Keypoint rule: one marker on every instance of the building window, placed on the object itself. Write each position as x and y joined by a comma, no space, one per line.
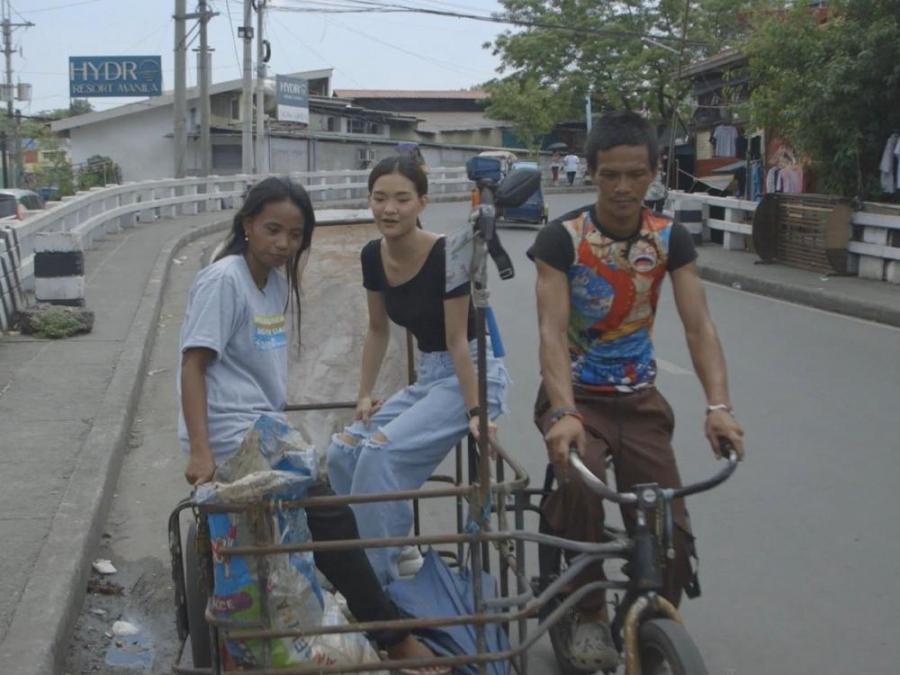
235,108
357,126
334,124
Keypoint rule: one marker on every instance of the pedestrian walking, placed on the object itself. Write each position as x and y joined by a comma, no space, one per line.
570,163
555,165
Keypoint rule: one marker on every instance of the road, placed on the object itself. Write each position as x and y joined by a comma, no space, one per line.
798,551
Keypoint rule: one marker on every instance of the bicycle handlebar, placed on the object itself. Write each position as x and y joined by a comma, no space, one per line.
606,492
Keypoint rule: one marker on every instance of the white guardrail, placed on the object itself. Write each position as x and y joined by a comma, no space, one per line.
875,238
100,211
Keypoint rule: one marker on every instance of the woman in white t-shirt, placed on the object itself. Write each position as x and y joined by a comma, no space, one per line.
234,343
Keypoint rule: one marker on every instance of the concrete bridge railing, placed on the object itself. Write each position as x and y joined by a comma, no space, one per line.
874,246
94,213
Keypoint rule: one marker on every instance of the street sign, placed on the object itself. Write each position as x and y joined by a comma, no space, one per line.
292,98
95,76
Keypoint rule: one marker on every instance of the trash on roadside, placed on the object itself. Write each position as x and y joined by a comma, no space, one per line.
99,612
121,628
103,587
103,566
737,285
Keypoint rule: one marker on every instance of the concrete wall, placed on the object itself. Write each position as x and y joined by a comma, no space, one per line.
137,143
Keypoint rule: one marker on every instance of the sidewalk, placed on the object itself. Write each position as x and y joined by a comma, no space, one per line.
66,408
861,298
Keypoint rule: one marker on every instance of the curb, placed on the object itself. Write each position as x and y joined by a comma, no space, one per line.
803,296
37,640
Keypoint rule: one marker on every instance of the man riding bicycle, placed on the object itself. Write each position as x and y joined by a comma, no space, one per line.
600,271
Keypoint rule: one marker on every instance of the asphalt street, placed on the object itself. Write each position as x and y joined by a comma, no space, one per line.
798,551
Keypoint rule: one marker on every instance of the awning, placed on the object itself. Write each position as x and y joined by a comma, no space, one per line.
716,182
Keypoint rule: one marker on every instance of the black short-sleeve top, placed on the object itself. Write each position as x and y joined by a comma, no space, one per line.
417,304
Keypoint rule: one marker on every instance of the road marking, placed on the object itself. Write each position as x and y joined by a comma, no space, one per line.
802,306
671,368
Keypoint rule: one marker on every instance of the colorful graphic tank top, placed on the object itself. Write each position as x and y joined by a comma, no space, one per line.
614,286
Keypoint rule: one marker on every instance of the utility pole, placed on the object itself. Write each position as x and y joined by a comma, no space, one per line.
203,87
261,58
245,32
180,139
11,173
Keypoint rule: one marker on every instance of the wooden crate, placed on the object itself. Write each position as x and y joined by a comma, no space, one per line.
807,231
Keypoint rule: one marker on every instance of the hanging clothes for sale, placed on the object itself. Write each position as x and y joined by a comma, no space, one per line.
790,179
740,146
723,138
890,176
772,180
756,179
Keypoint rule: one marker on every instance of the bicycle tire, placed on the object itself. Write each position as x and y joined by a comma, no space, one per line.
196,596
663,641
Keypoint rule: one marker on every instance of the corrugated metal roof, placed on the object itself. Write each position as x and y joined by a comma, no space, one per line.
476,94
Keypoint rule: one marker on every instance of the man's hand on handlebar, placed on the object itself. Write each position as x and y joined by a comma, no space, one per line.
721,424
566,432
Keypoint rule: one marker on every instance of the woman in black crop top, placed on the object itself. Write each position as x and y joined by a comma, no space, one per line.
397,445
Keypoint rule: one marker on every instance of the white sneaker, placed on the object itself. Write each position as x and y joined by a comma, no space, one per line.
592,647
409,561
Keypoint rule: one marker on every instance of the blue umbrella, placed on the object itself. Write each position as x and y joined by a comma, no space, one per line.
436,591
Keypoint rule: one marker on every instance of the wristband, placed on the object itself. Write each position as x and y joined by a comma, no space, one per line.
559,413
473,412
720,406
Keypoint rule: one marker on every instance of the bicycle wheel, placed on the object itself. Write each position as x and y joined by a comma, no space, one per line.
196,595
666,648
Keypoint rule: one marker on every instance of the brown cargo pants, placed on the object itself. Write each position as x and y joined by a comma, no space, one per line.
635,430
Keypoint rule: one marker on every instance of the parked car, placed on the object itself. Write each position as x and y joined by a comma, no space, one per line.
9,207
28,199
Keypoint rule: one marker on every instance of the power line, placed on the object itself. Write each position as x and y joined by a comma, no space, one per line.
368,6
50,9
237,59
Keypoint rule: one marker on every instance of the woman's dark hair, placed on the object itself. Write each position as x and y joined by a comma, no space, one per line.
271,191
621,127
406,167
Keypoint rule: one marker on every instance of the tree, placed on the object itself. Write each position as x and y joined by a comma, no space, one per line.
98,171
832,88
532,109
628,60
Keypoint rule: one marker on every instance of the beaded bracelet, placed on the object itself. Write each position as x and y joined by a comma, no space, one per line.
559,413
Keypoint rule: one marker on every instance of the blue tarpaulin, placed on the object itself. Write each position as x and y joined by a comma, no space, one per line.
436,591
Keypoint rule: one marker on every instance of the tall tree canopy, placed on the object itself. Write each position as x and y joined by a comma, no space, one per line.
628,52
832,88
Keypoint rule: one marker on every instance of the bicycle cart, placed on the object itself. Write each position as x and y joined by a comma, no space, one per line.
490,532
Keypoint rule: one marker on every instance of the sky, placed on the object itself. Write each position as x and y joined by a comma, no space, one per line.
367,51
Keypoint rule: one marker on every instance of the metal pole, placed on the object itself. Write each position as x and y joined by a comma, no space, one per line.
247,93
588,113
13,172
203,84
180,131
260,89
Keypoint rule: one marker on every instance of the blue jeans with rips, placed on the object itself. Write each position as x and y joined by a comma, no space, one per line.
420,424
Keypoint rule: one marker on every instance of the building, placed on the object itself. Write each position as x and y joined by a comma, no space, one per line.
445,117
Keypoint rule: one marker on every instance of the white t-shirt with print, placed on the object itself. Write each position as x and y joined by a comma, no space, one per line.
246,328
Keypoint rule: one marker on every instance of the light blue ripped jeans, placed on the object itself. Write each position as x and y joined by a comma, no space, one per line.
421,423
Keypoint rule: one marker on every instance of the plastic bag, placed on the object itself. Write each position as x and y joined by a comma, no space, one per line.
273,464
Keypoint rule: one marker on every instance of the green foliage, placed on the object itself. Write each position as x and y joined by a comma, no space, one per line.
532,108
832,89
56,323
617,65
98,171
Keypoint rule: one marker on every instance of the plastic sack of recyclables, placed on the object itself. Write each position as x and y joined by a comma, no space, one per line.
273,464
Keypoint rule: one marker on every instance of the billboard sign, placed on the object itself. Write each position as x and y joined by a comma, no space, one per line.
292,98
94,76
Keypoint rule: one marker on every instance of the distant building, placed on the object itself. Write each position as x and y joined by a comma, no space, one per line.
444,116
